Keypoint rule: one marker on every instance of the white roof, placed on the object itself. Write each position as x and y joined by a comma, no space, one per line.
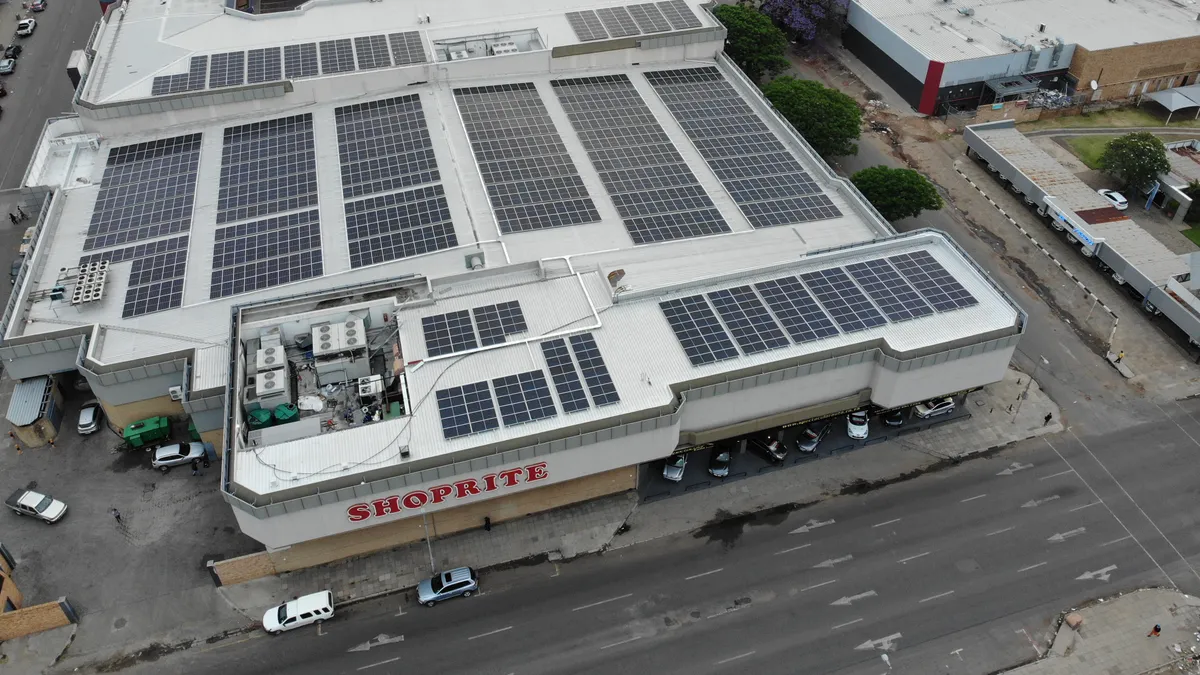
940,29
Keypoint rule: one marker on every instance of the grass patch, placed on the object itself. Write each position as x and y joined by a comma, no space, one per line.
1193,234
1089,148
1120,117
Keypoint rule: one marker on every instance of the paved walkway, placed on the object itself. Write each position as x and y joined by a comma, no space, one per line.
1112,639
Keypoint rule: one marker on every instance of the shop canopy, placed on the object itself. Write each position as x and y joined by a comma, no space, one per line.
1176,98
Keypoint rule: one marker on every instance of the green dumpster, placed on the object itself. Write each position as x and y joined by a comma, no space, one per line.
192,432
286,412
260,419
147,431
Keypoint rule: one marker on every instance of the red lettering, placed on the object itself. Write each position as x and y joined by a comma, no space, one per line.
440,492
415,499
386,505
358,512
535,472
465,488
509,476
489,482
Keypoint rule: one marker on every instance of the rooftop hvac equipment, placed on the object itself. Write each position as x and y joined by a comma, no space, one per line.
326,339
370,386
508,47
459,55
272,387
270,358
354,334
271,337
89,282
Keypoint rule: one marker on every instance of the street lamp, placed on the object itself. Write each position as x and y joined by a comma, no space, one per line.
428,545
1025,392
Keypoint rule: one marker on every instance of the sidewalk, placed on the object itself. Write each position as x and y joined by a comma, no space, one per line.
1112,638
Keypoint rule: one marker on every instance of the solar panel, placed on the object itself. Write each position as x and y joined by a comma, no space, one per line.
337,56
158,267
679,14
617,21
227,70
565,376
384,145
497,321
267,167
264,65
800,315
595,372
649,18
758,172
448,333
266,253
140,251
889,290
932,280
702,337
656,194
399,225
372,51
193,80
748,320
587,26
407,48
300,60
524,398
152,298
531,180
467,410
843,300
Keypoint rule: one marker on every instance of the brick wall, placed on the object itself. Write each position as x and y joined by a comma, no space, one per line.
1010,110
123,415
8,589
1152,64
34,619
243,568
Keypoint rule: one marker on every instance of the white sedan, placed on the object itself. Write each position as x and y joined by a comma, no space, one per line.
1115,198
856,425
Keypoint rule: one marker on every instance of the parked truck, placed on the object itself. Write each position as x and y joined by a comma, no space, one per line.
36,505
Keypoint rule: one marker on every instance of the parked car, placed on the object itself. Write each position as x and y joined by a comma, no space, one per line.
768,446
90,416
37,6
451,584
303,611
13,51
856,425
179,454
15,270
934,408
7,66
718,464
36,504
26,241
674,467
893,418
25,27
1115,198
811,437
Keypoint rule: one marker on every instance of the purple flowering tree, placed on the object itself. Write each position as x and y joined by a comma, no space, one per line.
805,18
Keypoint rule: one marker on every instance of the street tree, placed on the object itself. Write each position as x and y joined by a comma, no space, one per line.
1136,159
897,193
828,119
752,41
804,19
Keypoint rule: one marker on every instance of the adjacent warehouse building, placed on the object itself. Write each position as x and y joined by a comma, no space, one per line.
411,270
937,53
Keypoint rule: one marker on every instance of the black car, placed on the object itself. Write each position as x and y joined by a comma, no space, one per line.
15,270
769,447
811,437
13,52
893,418
718,464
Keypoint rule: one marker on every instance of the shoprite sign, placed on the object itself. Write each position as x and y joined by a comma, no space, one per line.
438,494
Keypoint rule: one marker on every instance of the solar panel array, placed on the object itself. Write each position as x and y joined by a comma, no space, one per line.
764,179
530,178
266,253
565,375
813,306
524,398
468,409
495,322
264,65
646,18
266,168
407,48
454,332
337,56
654,191
227,70
595,372
300,60
383,146
193,80
372,52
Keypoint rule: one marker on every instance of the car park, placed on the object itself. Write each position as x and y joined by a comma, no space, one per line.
769,447
450,584
718,464
13,51
934,408
1115,198
303,611
25,27
36,504
90,416
856,425
179,454
811,437
674,468
893,418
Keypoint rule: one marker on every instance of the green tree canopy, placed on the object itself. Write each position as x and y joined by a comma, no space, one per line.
1136,159
752,40
828,119
897,193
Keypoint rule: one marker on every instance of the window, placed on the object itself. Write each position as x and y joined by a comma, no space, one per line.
306,615
1133,88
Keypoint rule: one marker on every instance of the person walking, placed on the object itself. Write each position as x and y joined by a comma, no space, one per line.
195,467
1154,631
22,214
117,514
1046,420
1120,356
13,217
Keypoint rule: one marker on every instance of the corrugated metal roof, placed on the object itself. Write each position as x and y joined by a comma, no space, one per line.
26,404
210,367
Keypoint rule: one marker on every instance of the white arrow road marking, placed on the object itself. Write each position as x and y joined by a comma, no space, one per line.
887,644
1063,536
847,599
1100,574
377,641
1013,468
811,525
1038,502
833,561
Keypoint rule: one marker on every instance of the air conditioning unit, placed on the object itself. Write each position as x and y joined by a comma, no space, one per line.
370,386
354,334
270,358
326,338
271,337
176,393
272,388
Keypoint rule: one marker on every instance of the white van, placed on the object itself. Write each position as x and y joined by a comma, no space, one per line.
304,610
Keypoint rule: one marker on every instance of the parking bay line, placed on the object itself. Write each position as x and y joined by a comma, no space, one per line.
622,642
704,574
794,548
380,663
498,630
597,604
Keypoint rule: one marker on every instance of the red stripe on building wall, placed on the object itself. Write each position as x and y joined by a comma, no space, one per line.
933,82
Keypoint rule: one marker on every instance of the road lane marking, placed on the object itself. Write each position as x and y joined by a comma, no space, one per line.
1056,475
1117,541
914,557
725,611
498,630
1026,569
823,583
703,574
1034,503
935,597
848,599
971,499
380,663
1080,508
843,625
887,522
1002,531
794,548
734,658
1060,537
622,642
597,604
833,561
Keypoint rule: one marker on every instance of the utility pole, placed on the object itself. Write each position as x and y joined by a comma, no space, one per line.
1025,392
428,545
